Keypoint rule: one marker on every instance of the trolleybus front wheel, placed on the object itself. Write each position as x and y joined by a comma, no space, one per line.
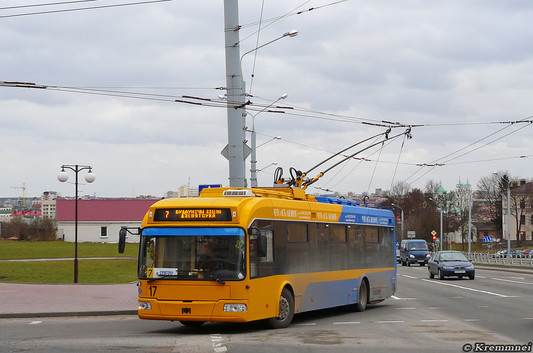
286,310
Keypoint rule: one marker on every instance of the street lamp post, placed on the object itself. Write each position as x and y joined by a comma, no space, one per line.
508,216
442,192
253,161
63,177
236,150
505,178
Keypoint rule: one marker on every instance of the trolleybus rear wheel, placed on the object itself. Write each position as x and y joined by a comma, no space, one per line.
362,301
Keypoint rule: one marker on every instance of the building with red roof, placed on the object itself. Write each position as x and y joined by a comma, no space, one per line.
100,220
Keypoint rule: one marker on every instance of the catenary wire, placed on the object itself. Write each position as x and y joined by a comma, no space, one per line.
45,4
83,8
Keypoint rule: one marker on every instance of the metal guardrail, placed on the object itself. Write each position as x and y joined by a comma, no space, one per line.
493,259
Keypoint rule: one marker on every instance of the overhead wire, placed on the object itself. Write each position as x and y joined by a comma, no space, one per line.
289,110
293,12
436,163
83,8
256,45
45,4
398,161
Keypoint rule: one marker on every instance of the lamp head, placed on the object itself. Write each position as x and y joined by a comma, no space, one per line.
291,33
62,176
89,177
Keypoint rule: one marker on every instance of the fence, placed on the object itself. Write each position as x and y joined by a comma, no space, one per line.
494,259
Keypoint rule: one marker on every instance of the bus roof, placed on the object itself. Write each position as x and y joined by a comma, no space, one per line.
276,203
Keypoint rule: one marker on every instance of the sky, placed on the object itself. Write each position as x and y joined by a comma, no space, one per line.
459,74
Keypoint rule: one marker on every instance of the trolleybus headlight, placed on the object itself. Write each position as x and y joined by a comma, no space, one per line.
235,308
145,306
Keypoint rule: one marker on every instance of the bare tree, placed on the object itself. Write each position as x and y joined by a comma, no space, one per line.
489,196
463,199
521,200
432,186
399,191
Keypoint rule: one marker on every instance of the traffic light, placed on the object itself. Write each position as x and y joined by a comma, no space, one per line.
434,237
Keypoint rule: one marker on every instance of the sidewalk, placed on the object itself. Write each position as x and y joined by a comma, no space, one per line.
24,300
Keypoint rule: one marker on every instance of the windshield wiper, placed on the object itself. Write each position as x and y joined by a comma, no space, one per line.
161,277
215,278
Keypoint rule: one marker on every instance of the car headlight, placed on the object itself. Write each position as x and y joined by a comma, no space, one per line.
145,306
446,267
470,267
412,256
235,308
428,255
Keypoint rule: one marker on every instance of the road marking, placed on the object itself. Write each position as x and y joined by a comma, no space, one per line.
398,298
433,320
470,289
406,308
218,345
309,324
471,320
412,277
508,280
35,322
435,307
390,322
346,323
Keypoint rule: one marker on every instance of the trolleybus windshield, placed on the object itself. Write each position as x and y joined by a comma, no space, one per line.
212,254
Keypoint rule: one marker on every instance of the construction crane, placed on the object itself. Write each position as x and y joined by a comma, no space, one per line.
23,187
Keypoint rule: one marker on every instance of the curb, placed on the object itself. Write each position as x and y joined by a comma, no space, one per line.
68,314
505,269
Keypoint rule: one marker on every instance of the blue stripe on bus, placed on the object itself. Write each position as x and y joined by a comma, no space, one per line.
351,214
189,231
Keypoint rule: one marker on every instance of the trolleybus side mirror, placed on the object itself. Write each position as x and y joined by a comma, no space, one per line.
122,239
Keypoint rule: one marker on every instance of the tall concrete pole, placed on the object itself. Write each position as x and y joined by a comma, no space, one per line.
235,150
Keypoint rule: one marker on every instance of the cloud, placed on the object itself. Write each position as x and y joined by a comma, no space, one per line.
451,66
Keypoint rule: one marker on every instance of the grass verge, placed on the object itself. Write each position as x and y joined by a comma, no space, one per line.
10,250
121,270
89,271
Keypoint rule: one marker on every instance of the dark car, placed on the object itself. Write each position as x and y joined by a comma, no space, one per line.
414,251
450,263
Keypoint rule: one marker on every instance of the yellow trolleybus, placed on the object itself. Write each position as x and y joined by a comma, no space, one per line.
239,255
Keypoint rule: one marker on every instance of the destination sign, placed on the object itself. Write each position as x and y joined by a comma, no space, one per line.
192,214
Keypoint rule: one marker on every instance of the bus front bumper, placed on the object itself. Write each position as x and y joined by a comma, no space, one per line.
175,310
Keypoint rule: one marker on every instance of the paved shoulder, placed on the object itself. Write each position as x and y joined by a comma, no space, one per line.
32,300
